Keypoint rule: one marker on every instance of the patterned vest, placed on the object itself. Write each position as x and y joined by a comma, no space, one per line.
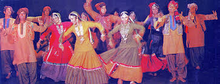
166,30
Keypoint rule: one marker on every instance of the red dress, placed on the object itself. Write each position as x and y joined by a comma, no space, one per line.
55,54
55,62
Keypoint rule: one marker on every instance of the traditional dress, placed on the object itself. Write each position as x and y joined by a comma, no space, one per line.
106,20
7,49
85,66
173,47
25,57
195,37
123,62
151,63
55,62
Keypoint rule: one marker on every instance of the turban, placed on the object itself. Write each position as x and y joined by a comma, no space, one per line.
99,5
23,10
174,3
192,5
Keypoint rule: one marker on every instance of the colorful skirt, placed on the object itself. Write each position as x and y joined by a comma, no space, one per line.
56,55
123,63
85,67
57,72
150,63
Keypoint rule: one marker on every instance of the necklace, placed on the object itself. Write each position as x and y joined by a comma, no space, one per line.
79,32
124,32
22,30
59,29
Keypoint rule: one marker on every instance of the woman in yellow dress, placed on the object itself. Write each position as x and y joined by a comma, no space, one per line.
85,66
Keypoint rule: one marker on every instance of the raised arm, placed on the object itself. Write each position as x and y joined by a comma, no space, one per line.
211,16
33,19
92,24
147,21
87,6
37,28
70,30
160,22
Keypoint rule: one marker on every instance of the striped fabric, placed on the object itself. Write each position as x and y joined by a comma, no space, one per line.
27,73
82,76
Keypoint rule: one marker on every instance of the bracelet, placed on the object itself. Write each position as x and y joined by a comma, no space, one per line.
102,35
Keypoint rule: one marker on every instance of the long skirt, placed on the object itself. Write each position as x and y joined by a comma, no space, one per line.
85,67
150,63
123,63
55,71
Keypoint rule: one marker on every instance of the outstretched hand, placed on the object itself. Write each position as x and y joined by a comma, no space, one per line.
215,14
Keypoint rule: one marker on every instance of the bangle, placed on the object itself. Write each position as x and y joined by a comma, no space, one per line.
102,35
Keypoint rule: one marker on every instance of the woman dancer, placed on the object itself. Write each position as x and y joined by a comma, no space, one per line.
85,66
55,62
123,62
150,61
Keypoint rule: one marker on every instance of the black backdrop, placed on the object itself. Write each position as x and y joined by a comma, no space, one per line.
141,8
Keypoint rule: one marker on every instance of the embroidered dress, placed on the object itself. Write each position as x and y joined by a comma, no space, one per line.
55,62
149,62
85,66
123,62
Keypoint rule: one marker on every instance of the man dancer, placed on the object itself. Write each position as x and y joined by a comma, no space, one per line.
23,35
7,49
195,28
105,19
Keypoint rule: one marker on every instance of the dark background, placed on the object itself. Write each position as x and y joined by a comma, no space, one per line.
212,37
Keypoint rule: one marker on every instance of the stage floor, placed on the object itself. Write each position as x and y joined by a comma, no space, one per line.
207,75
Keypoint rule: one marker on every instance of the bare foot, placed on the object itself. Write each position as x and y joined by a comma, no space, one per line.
8,76
198,67
155,74
181,79
120,81
132,82
173,79
17,73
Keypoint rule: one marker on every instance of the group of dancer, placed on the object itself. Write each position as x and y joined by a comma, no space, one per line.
122,52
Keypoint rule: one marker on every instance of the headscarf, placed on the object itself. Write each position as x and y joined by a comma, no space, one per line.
74,13
17,20
153,4
57,14
124,13
99,5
